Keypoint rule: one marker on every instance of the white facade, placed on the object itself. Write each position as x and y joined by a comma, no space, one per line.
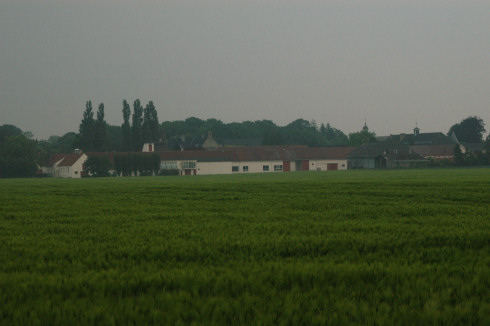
325,165
227,167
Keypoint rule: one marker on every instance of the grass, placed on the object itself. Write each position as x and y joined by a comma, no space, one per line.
344,247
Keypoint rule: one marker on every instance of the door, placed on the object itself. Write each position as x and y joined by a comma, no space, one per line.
305,166
332,166
286,166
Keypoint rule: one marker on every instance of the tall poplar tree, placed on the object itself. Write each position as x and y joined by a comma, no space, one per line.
87,128
100,138
136,136
126,127
150,124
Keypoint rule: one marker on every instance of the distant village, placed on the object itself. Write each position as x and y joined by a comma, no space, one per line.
412,150
142,146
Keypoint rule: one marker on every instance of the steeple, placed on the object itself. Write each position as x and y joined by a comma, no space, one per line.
365,128
416,130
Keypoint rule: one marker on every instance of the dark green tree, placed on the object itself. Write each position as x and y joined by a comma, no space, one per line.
87,128
459,157
136,132
273,136
100,130
469,130
126,127
361,137
98,166
18,156
150,125
333,136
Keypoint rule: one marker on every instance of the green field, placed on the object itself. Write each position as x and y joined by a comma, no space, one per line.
377,247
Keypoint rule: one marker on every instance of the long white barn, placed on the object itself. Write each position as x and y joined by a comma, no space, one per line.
256,160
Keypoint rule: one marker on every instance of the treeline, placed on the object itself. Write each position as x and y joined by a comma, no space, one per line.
298,132
144,128
137,164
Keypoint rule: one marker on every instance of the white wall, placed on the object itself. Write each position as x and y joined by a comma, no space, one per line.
226,167
213,168
321,165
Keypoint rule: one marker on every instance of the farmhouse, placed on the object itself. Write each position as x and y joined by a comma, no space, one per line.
65,165
382,155
434,146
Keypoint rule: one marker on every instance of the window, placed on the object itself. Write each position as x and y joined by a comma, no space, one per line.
277,167
234,169
265,168
166,165
245,168
188,165
343,165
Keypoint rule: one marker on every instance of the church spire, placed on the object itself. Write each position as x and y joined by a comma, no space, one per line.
365,128
416,130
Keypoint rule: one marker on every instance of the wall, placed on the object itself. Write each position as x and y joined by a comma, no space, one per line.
321,165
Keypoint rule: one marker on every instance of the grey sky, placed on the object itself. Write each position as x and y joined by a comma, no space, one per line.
392,62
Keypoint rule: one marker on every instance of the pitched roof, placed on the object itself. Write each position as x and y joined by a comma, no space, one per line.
53,159
395,151
261,153
70,159
427,138
240,142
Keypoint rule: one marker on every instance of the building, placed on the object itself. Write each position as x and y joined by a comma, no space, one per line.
65,165
381,155
433,146
260,159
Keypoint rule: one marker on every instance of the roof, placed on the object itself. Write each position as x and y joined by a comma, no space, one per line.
428,138
395,151
70,159
241,141
54,158
474,147
261,153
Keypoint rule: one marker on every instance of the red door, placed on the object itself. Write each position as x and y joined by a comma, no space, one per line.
286,166
305,166
187,172
332,166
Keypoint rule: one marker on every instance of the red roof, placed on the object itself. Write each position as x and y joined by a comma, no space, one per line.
70,159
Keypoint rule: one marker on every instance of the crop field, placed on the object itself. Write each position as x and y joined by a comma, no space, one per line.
314,248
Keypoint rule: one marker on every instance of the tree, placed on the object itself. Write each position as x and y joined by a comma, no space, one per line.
459,157
100,130
9,131
469,130
136,136
87,128
98,166
126,128
17,157
150,124
272,136
332,135
361,137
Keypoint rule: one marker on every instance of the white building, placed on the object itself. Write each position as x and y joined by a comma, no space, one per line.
67,166
261,159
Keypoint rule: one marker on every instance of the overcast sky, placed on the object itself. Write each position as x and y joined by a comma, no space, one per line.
390,62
